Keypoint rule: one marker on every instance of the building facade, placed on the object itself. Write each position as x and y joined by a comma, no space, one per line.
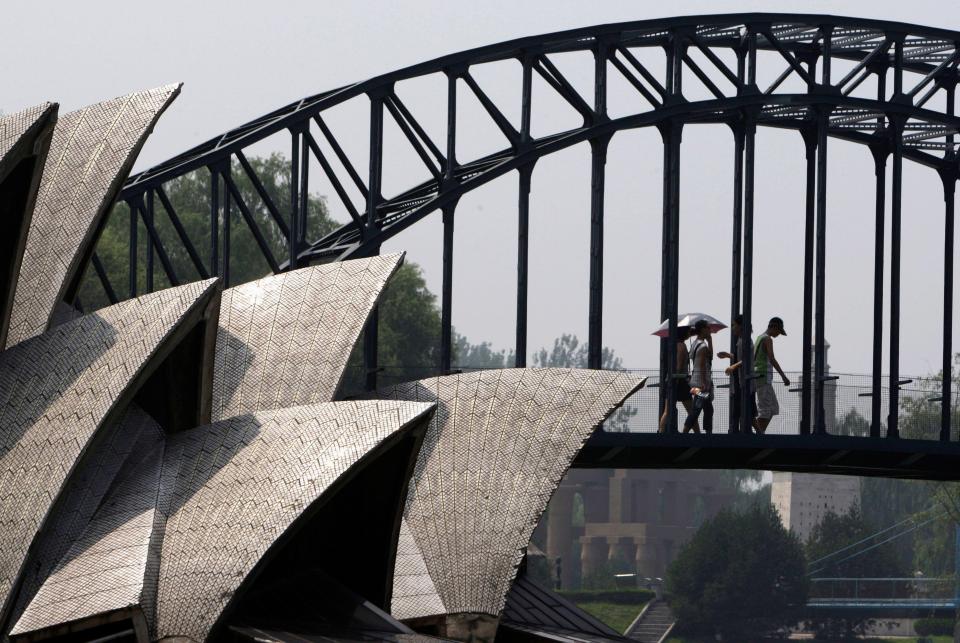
632,519
803,499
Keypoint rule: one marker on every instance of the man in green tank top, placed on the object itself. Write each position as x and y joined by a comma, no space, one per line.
763,360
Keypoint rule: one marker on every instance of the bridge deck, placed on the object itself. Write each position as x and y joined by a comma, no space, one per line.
861,456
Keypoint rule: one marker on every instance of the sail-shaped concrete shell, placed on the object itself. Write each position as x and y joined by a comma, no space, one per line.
108,568
284,340
24,141
498,445
58,389
235,487
90,156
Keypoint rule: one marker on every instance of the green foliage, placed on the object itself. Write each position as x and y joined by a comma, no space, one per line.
190,197
834,532
541,571
568,352
933,626
741,574
482,355
852,424
617,616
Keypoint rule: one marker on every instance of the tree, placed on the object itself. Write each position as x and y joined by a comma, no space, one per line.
863,559
482,355
836,531
567,352
742,574
190,197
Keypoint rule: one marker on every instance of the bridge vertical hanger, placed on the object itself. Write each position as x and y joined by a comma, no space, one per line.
148,223
525,173
446,295
949,196
809,134
806,380
374,197
881,150
225,175
132,256
820,320
672,133
735,258
746,308
598,164
896,201
819,349
949,175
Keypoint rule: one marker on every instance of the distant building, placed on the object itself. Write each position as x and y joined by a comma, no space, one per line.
632,519
803,499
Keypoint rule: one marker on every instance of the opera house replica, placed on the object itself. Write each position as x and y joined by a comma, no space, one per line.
177,466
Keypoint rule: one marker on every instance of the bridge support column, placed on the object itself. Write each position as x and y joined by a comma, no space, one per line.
949,196
746,370
672,133
810,140
820,353
523,216
946,392
446,295
896,191
735,260
523,257
560,533
598,163
893,428
598,168
880,153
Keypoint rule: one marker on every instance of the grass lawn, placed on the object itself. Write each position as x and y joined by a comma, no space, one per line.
617,616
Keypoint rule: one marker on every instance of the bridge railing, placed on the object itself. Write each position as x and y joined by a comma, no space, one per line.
873,590
847,398
848,405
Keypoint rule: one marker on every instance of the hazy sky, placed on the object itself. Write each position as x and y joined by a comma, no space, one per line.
239,60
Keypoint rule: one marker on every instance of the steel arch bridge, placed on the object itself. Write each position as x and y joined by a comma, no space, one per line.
888,86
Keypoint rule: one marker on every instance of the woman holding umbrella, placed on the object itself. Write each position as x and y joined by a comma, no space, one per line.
701,382
705,325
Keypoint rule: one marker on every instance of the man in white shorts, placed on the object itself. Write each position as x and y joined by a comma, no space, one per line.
763,360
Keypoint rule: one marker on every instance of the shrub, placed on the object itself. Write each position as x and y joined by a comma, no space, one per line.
933,626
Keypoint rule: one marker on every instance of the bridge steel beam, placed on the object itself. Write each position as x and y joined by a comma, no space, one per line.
746,307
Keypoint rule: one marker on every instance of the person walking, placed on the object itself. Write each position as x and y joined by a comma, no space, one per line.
733,371
701,381
683,383
763,360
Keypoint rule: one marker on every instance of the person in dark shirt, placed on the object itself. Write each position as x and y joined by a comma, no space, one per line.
736,330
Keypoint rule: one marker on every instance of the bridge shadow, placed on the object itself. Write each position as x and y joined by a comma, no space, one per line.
832,454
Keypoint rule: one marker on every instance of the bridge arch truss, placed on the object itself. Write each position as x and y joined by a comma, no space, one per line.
888,86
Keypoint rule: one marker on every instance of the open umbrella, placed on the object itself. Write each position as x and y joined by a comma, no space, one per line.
688,320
